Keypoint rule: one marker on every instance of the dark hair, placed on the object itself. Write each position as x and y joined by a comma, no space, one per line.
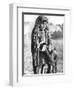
41,19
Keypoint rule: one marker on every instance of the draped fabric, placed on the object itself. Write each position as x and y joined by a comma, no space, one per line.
38,37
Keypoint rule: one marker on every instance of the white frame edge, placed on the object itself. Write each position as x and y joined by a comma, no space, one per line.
13,45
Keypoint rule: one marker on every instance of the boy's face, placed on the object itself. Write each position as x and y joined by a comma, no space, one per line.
44,48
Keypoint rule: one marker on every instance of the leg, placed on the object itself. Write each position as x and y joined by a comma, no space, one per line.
34,68
42,68
49,68
55,67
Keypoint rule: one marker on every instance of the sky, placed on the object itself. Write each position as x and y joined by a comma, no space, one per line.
53,19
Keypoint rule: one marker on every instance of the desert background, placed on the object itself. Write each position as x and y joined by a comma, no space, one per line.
56,27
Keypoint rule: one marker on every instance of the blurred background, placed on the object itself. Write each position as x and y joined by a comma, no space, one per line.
56,27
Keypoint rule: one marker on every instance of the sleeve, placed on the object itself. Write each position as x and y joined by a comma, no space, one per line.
48,38
33,41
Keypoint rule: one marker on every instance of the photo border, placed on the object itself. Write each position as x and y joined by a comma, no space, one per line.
27,13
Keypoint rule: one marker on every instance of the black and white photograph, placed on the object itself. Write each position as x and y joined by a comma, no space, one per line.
42,43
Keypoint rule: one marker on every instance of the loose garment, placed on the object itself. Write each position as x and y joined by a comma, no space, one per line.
40,41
